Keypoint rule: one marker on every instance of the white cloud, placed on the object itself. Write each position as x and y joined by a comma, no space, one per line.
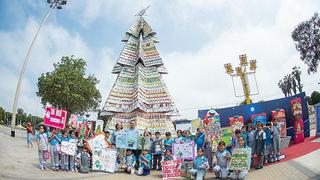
52,43
199,80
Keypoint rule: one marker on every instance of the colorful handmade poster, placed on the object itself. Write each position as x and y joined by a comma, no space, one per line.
98,142
236,122
279,115
121,140
227,135
104,160
262,117
194,125
144,143
83,130
184,150
68,148
99,126
298,127
132,139
171,169
55,118
240,159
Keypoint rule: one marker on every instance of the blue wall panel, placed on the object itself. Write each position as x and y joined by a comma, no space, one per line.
247,110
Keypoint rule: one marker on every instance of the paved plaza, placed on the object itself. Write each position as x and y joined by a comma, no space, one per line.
19,162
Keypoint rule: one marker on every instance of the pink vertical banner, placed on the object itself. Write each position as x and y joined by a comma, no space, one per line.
55,118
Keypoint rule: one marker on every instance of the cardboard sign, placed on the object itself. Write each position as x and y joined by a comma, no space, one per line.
99,126
121,140
144,143
236,122
68,148
55,118
240,159
227,135
195,124
127,140
104,160
184,150
171,169
98,142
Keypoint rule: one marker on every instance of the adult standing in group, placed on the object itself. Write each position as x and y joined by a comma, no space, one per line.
133,131
29,133
120,152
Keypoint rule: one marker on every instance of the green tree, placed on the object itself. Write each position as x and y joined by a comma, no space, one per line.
307,39
314,99
68,88
2,115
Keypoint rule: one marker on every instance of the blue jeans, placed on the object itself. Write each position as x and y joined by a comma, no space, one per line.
29,139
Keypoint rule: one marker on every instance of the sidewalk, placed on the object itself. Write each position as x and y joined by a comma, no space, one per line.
19,162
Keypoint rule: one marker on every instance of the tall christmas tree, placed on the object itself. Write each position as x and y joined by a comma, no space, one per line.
139,92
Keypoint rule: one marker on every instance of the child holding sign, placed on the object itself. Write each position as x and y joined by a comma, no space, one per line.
130,162
237,174
64,157
144,163
223,157
55,140
74,140
200,166
156,150
42,142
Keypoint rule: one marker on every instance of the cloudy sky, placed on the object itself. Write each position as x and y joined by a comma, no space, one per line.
196,39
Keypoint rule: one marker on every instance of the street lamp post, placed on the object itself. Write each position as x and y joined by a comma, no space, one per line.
242,72
53,4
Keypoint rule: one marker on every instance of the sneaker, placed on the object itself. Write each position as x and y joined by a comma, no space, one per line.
72,170
42,168
53,169
75,169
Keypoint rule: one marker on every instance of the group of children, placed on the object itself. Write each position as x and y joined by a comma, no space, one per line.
264,140
48,143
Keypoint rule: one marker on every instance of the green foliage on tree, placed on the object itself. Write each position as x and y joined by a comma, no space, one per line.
307,39
68,88
314,99
2,115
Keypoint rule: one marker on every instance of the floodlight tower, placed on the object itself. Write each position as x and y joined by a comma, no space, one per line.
53,4
242,72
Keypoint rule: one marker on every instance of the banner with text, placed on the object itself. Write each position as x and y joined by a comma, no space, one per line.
171,169
104,160
184,150
55,118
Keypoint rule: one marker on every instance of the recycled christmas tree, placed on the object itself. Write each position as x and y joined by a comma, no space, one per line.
139,92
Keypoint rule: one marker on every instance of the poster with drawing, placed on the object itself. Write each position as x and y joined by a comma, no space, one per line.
132,139
121,140
184,150
144,143
227,135
68,148
98,142
104,160
240,159
99,126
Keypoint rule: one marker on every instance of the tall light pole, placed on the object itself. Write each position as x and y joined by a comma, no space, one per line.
53,4
242,72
